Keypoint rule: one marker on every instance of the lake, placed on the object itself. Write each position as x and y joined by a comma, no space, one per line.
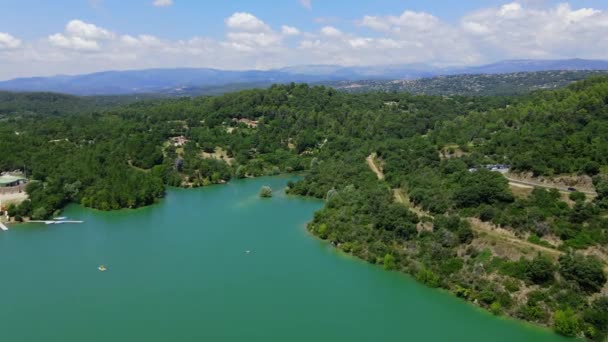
179,271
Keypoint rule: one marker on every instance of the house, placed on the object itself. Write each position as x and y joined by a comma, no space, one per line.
249,123
8,181
179,141
502,168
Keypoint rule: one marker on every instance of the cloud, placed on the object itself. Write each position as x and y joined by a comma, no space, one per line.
243,21
8,42
78,28
74,43
247,33
163,3
306,4
522,29
518,31
331,31
143,40
81,36
290,30
419,21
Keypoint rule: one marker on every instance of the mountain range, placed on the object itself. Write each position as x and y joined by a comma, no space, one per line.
188,81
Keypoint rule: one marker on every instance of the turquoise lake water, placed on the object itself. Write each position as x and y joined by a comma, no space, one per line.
179,271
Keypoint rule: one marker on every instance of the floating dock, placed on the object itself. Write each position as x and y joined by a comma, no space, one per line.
3,227
54,222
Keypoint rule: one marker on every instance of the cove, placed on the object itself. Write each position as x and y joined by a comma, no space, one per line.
178,271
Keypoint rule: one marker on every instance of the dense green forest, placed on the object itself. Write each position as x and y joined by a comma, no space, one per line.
60,104
538,255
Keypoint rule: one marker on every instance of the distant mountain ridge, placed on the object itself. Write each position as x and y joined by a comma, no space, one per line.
474,84
181,80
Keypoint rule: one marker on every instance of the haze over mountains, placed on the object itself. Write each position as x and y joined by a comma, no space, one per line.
186,81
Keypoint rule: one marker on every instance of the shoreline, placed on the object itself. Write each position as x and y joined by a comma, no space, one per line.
336,248
409,276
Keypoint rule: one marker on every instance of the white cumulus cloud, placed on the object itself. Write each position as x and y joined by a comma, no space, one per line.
8,42
78,28
331,31
513,29
79,35
73,43
243,21
289,30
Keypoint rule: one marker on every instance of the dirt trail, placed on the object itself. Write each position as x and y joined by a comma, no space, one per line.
402,198
476,225
506,236
371,162
522,183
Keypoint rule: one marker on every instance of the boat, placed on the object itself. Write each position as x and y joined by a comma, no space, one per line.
102,268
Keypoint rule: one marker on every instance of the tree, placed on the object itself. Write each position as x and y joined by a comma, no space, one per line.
578,196
266,192
482,187
389,262
586,271
566,323
39,213
540,270
597,317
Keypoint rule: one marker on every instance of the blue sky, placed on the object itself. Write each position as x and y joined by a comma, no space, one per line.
185,18
73,36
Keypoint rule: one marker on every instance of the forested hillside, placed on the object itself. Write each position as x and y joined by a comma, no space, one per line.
59,104
475,84
429,210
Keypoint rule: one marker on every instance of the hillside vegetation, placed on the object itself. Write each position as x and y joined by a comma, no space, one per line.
537,256
473,84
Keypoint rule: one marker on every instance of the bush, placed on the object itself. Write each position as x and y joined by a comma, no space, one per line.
40,214
566,323
577,196
540,270
266,192
428,277
487,213
389,262
496,308
587,272
597,317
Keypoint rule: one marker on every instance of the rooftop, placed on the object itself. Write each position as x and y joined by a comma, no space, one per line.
7,179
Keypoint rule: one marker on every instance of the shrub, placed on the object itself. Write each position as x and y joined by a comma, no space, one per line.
266,192
389,262
587,272
577,196
540,270
496,308
566,323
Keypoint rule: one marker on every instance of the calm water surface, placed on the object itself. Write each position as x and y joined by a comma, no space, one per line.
178,271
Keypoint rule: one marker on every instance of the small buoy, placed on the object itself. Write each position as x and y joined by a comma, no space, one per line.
102,268
247,251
